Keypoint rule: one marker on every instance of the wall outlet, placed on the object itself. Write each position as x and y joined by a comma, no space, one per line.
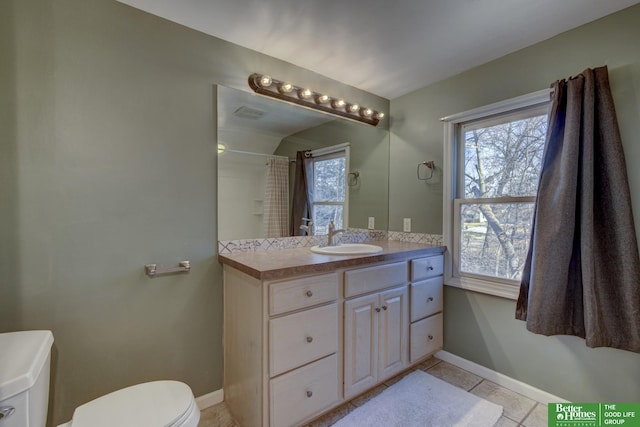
372,223
406,225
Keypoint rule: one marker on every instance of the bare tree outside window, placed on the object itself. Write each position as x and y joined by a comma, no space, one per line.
502,161
329,192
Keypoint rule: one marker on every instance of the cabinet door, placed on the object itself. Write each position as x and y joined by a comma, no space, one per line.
361,344
393,332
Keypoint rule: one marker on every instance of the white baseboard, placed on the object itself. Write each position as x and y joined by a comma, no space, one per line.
210,399
512,384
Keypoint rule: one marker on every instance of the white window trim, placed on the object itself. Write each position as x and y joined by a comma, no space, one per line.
497,287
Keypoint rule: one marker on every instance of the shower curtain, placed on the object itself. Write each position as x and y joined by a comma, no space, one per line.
582,272
276,198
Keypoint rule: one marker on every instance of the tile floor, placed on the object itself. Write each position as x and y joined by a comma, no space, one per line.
518,410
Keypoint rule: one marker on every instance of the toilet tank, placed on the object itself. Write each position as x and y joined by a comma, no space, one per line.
25,359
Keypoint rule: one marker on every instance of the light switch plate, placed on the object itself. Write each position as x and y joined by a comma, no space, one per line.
406,227
372,223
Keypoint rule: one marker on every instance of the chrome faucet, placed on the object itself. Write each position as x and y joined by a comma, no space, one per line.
332,233
308,227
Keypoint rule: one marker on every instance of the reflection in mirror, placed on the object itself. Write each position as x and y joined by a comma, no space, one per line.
259,139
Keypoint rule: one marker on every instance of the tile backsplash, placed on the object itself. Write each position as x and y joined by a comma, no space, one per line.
353,235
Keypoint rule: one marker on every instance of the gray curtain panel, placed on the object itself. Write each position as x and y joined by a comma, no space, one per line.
582,272
302,193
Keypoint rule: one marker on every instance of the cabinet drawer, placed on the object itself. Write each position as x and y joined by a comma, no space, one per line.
424,268
304,392
370,279
426,298
302,337
426,337
294,294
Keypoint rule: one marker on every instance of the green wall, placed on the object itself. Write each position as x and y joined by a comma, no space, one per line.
108,163
482,328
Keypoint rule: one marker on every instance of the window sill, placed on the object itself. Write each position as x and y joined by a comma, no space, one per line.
497,289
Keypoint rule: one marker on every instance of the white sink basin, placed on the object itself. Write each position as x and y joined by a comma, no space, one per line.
347,249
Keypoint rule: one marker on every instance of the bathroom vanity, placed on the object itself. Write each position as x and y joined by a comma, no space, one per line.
305,332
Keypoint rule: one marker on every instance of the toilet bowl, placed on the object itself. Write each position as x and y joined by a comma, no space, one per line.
152,404
24,390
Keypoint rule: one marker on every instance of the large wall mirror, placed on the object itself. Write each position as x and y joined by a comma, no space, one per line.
256,132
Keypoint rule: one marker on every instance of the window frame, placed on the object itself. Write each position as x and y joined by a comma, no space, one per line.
453,162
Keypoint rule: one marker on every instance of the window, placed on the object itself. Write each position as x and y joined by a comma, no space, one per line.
330,190
495,155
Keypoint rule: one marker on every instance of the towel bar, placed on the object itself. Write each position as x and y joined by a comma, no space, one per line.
151,270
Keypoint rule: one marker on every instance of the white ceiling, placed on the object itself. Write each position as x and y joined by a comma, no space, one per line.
386,47
271,122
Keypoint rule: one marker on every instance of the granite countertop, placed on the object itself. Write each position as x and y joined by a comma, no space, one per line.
278,264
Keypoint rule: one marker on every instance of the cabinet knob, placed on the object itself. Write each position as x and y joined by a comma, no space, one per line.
309,339
429,299
430,337
378,309
384,307
309,293
309,393
430,268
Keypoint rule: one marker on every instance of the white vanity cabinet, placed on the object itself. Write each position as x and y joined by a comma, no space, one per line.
282,347
375,339
375,326
426,335
302,340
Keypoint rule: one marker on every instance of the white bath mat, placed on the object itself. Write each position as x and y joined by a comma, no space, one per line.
421,400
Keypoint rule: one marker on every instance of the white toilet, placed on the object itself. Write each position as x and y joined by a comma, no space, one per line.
24,388
24,378
152,404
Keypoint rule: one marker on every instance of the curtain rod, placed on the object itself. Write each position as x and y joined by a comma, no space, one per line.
329,150
256,154
527,100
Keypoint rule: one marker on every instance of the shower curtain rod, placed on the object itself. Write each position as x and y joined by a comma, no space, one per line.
256,154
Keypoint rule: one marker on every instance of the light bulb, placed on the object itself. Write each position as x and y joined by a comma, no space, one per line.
379,115
305,93
321,99
285,88
265,81
366,112
352,108
338,103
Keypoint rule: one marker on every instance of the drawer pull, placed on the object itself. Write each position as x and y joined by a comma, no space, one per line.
429,299
378,309
309,339
309,393
430,268
384,307
6,411
309,294
430,337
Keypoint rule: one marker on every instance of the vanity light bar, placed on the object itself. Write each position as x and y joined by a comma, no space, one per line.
266,85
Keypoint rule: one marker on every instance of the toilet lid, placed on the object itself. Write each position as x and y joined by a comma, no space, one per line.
153,404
